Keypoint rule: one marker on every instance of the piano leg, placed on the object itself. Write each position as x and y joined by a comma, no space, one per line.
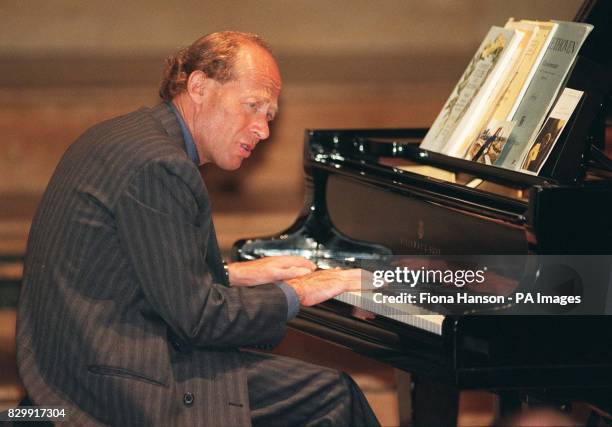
425,403
403,382
508,403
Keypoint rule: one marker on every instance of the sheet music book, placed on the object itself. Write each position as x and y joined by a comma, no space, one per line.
475,117
543,90
535,48
536,153
486,62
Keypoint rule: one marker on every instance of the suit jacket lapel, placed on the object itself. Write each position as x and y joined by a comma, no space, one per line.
169,122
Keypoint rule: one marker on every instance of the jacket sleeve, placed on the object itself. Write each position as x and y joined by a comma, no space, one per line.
164,221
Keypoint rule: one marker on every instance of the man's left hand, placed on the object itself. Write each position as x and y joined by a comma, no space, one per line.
268,270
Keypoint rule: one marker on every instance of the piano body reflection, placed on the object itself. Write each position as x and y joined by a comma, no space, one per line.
372,193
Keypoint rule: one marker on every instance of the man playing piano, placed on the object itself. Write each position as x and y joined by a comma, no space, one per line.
127,314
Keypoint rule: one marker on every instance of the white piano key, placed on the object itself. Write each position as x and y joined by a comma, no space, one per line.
409,314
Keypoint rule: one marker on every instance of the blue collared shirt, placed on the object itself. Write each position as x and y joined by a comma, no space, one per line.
293,302
190,146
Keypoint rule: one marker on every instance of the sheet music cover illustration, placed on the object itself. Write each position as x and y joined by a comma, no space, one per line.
490,142
480,67
539,151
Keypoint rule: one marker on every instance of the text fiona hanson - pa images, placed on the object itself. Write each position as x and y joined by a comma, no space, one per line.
471,298
410,278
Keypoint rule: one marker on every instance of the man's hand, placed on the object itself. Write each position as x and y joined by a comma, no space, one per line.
325,284
268,269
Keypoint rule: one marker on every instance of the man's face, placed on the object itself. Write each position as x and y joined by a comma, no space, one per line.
234,116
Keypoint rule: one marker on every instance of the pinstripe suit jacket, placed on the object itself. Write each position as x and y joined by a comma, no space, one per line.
125,316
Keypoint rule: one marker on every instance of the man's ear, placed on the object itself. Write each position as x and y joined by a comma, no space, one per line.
197,85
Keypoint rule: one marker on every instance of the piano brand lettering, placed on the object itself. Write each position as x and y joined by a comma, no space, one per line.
420,246
412,277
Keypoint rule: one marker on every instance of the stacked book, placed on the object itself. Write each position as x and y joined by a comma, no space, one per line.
510,105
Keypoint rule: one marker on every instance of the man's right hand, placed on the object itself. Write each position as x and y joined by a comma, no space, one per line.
268,269
322,285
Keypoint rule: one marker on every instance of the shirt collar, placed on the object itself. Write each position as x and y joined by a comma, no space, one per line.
190,146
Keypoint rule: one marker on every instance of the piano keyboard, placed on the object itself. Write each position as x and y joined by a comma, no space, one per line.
409,314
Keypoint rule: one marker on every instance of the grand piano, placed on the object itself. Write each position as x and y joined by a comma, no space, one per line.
372,193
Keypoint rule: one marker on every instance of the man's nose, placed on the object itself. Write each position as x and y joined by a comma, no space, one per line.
260,128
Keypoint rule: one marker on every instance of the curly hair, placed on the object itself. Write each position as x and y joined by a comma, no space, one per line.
214,54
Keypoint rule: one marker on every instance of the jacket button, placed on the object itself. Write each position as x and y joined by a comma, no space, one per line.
176,345
188,399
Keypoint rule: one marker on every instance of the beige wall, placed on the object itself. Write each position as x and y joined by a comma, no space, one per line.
150,26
